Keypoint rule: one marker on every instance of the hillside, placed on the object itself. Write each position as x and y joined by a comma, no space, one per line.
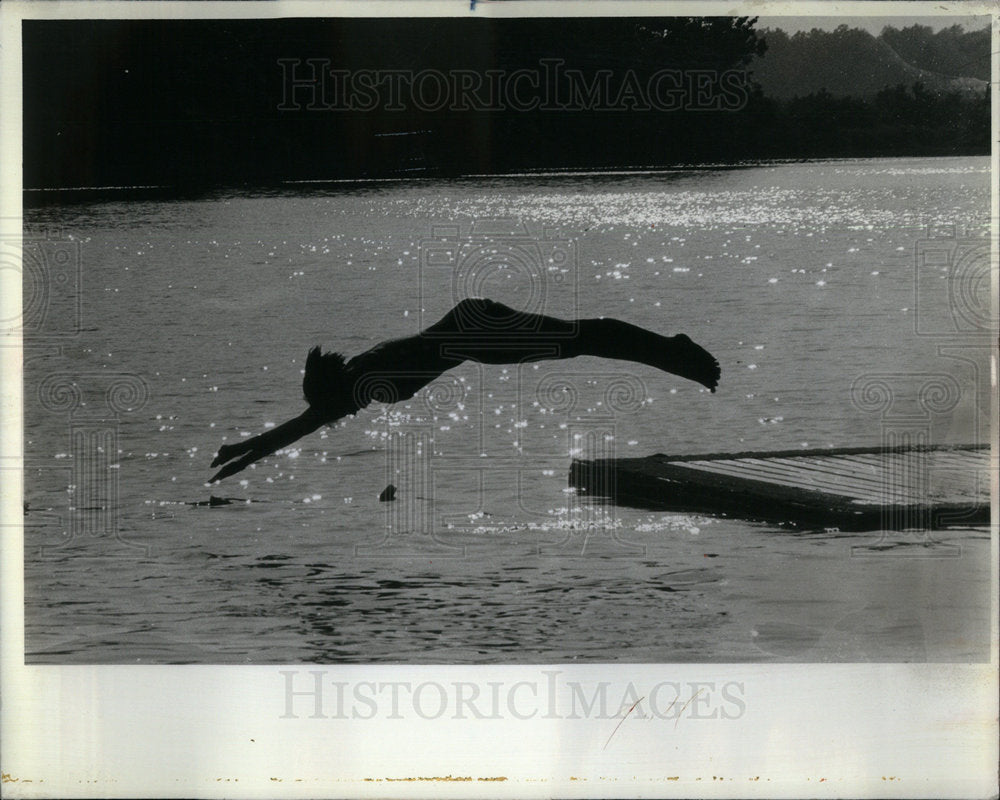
951,51
852,62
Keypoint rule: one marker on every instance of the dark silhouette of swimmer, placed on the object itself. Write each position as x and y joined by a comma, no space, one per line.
474,330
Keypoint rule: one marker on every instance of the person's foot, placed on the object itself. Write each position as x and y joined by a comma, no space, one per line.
694,362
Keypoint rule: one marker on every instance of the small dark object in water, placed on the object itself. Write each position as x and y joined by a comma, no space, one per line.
388,493
214,501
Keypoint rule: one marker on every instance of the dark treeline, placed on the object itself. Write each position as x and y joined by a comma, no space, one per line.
208,103
897,121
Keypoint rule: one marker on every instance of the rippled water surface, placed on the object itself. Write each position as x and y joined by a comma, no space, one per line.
194,321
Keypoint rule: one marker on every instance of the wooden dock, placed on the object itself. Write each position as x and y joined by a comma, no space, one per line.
923,487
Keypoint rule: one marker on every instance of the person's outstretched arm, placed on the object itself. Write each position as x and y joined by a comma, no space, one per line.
268,442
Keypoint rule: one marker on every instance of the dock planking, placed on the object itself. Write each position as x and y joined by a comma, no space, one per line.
848,488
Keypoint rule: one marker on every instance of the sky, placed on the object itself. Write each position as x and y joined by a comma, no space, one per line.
873,25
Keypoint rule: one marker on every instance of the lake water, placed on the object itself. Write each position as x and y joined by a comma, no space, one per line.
194,320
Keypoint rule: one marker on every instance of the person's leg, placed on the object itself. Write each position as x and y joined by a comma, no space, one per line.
494,333
678,355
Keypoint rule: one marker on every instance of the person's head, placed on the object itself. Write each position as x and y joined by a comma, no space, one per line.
326,385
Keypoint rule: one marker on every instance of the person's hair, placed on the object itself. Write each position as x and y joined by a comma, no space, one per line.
324,378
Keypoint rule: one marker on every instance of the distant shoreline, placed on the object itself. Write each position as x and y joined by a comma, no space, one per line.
42,196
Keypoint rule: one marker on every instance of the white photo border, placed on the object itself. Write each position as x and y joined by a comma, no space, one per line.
888,730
